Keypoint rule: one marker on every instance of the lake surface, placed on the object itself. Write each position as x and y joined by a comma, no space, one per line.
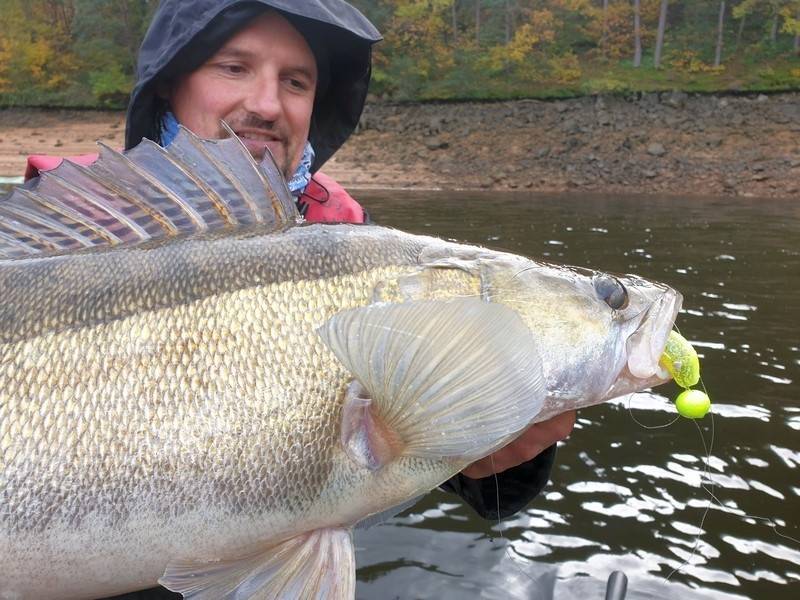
627,493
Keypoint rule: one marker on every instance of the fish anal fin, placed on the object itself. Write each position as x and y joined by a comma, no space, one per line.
318,565
365,437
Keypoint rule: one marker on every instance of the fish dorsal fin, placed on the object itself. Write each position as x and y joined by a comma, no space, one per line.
147,193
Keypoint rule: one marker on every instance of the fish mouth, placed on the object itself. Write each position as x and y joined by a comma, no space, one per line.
646,345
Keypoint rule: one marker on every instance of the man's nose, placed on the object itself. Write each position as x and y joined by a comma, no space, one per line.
264,99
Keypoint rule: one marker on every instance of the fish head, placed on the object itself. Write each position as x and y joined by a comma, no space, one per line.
600,335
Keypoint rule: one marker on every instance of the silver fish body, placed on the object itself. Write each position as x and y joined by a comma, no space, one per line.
198,392
177,401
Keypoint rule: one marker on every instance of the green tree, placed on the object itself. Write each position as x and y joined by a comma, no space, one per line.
107,37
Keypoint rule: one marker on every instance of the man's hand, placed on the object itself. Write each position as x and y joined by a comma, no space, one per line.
533,441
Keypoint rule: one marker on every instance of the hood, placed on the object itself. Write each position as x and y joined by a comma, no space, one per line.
184,34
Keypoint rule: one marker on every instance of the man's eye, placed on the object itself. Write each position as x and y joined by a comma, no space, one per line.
298,84
233,69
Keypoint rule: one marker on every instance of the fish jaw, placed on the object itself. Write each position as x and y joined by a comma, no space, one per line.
645,346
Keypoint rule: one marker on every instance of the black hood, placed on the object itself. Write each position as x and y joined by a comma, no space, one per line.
184,34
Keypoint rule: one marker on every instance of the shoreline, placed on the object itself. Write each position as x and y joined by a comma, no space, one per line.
668,144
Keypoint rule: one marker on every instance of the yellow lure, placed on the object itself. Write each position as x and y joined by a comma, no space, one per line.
681,362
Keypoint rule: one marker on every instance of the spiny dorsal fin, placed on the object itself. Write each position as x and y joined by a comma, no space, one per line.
149,192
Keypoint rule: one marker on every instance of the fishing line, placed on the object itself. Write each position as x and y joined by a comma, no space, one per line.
508,545
642,425
708,485
704,474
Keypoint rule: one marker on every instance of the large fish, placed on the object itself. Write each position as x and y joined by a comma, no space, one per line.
197,390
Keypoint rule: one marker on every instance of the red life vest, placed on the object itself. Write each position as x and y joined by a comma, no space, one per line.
323,201
44,162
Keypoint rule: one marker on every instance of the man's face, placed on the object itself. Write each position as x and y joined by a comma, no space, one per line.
262,84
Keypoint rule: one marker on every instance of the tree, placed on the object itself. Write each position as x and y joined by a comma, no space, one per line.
774,9
637,34
454,15
720,30
478,22
791,22
662,22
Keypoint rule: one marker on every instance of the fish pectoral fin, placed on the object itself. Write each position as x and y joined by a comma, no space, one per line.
440,378
319,564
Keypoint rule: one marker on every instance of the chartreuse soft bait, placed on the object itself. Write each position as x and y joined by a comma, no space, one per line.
680,360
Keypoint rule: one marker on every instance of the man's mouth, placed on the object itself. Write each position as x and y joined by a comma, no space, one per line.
256,141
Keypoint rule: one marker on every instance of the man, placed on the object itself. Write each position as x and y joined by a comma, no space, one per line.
292,76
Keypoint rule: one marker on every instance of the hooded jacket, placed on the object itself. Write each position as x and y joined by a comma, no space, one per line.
185,34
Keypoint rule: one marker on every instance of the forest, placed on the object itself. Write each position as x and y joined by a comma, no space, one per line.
81,53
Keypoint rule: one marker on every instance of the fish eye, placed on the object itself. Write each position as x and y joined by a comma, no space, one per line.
611,291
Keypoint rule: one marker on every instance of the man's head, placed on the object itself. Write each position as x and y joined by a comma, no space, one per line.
262,82
279,72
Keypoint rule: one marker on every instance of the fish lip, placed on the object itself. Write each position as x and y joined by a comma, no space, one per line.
646,344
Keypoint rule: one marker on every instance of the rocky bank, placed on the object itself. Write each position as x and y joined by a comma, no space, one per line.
668,143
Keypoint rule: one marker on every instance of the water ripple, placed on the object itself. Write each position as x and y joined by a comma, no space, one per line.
789,457
687,528
591,487
729,315
761,487
760,575
778,551
742,307
773,379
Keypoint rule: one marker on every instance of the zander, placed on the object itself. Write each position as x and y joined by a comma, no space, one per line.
198,390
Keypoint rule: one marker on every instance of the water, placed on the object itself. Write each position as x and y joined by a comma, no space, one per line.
624,496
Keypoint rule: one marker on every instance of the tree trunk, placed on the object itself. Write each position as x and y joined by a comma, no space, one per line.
637,37
720,26
797,37
662,23
604,39
508,22
478,22
740,32
773,36
455,22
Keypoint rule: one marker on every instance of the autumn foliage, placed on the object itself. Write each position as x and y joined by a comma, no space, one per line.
82,52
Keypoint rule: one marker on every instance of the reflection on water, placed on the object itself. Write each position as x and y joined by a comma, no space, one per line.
627,492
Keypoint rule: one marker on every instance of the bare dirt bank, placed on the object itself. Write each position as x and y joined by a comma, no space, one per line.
668,143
